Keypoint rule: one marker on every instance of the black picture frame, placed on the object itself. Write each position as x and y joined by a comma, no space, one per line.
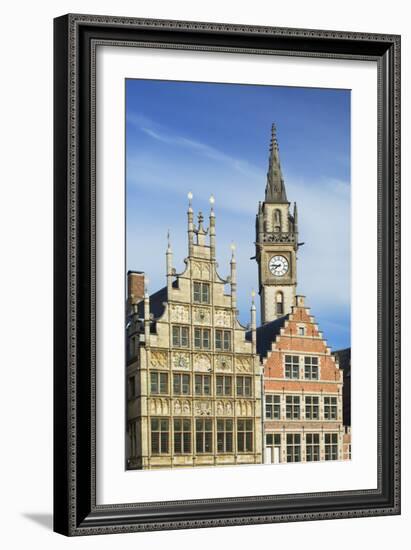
75,41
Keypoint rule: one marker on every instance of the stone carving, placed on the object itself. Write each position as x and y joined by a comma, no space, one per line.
159,406
179,313
181,406
159,359
224,408
200,270
202,362
201,315
244,408
181,360
202,408
222,318
243,364
223,363
279,237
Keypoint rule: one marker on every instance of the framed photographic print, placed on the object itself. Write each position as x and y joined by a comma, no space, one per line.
226,247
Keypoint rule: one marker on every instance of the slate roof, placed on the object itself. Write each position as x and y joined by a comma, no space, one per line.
156,304
266,335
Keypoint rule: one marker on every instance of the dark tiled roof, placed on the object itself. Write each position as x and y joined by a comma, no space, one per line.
156,304
266,335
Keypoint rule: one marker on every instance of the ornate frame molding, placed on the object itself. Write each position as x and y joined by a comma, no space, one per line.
76,40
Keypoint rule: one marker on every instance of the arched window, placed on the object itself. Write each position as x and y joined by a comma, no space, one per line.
279,303
277,220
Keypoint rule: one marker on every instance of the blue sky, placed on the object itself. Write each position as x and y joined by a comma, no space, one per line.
214,139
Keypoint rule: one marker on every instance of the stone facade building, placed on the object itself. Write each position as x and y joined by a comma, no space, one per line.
302,394
193,379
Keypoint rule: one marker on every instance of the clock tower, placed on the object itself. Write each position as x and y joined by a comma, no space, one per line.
276,243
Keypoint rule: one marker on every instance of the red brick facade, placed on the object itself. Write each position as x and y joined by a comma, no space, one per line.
303,392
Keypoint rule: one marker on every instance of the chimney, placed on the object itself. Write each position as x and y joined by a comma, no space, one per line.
135,287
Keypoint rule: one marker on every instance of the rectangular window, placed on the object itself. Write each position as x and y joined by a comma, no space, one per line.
182,435
331,446
312,407
244,435
293,448
202,338
280,308
159,436
158,383
273,440
243,384
312,447
301,331
224,385
204,435
181,384
273,407
292,407
311,368
202,384
292,366
330,408
180,336
223,340
201,294
224,435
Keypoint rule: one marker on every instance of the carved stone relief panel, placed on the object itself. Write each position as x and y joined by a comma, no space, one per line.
244,408
159,406
159,359
181,406
223,363
201,270
202,315
202,362
224,408
180,360
179,313
203,408
222,318
243,364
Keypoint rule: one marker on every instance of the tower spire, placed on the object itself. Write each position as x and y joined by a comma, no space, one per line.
275,189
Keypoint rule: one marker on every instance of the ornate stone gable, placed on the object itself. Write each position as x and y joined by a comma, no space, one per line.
201,270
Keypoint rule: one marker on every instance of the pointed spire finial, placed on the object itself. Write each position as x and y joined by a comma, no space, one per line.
275,190
190,198
232,246
212,202
168,240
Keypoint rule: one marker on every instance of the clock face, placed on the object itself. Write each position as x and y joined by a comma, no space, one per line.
278,265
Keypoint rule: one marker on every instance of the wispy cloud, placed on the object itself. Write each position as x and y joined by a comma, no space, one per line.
163,135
